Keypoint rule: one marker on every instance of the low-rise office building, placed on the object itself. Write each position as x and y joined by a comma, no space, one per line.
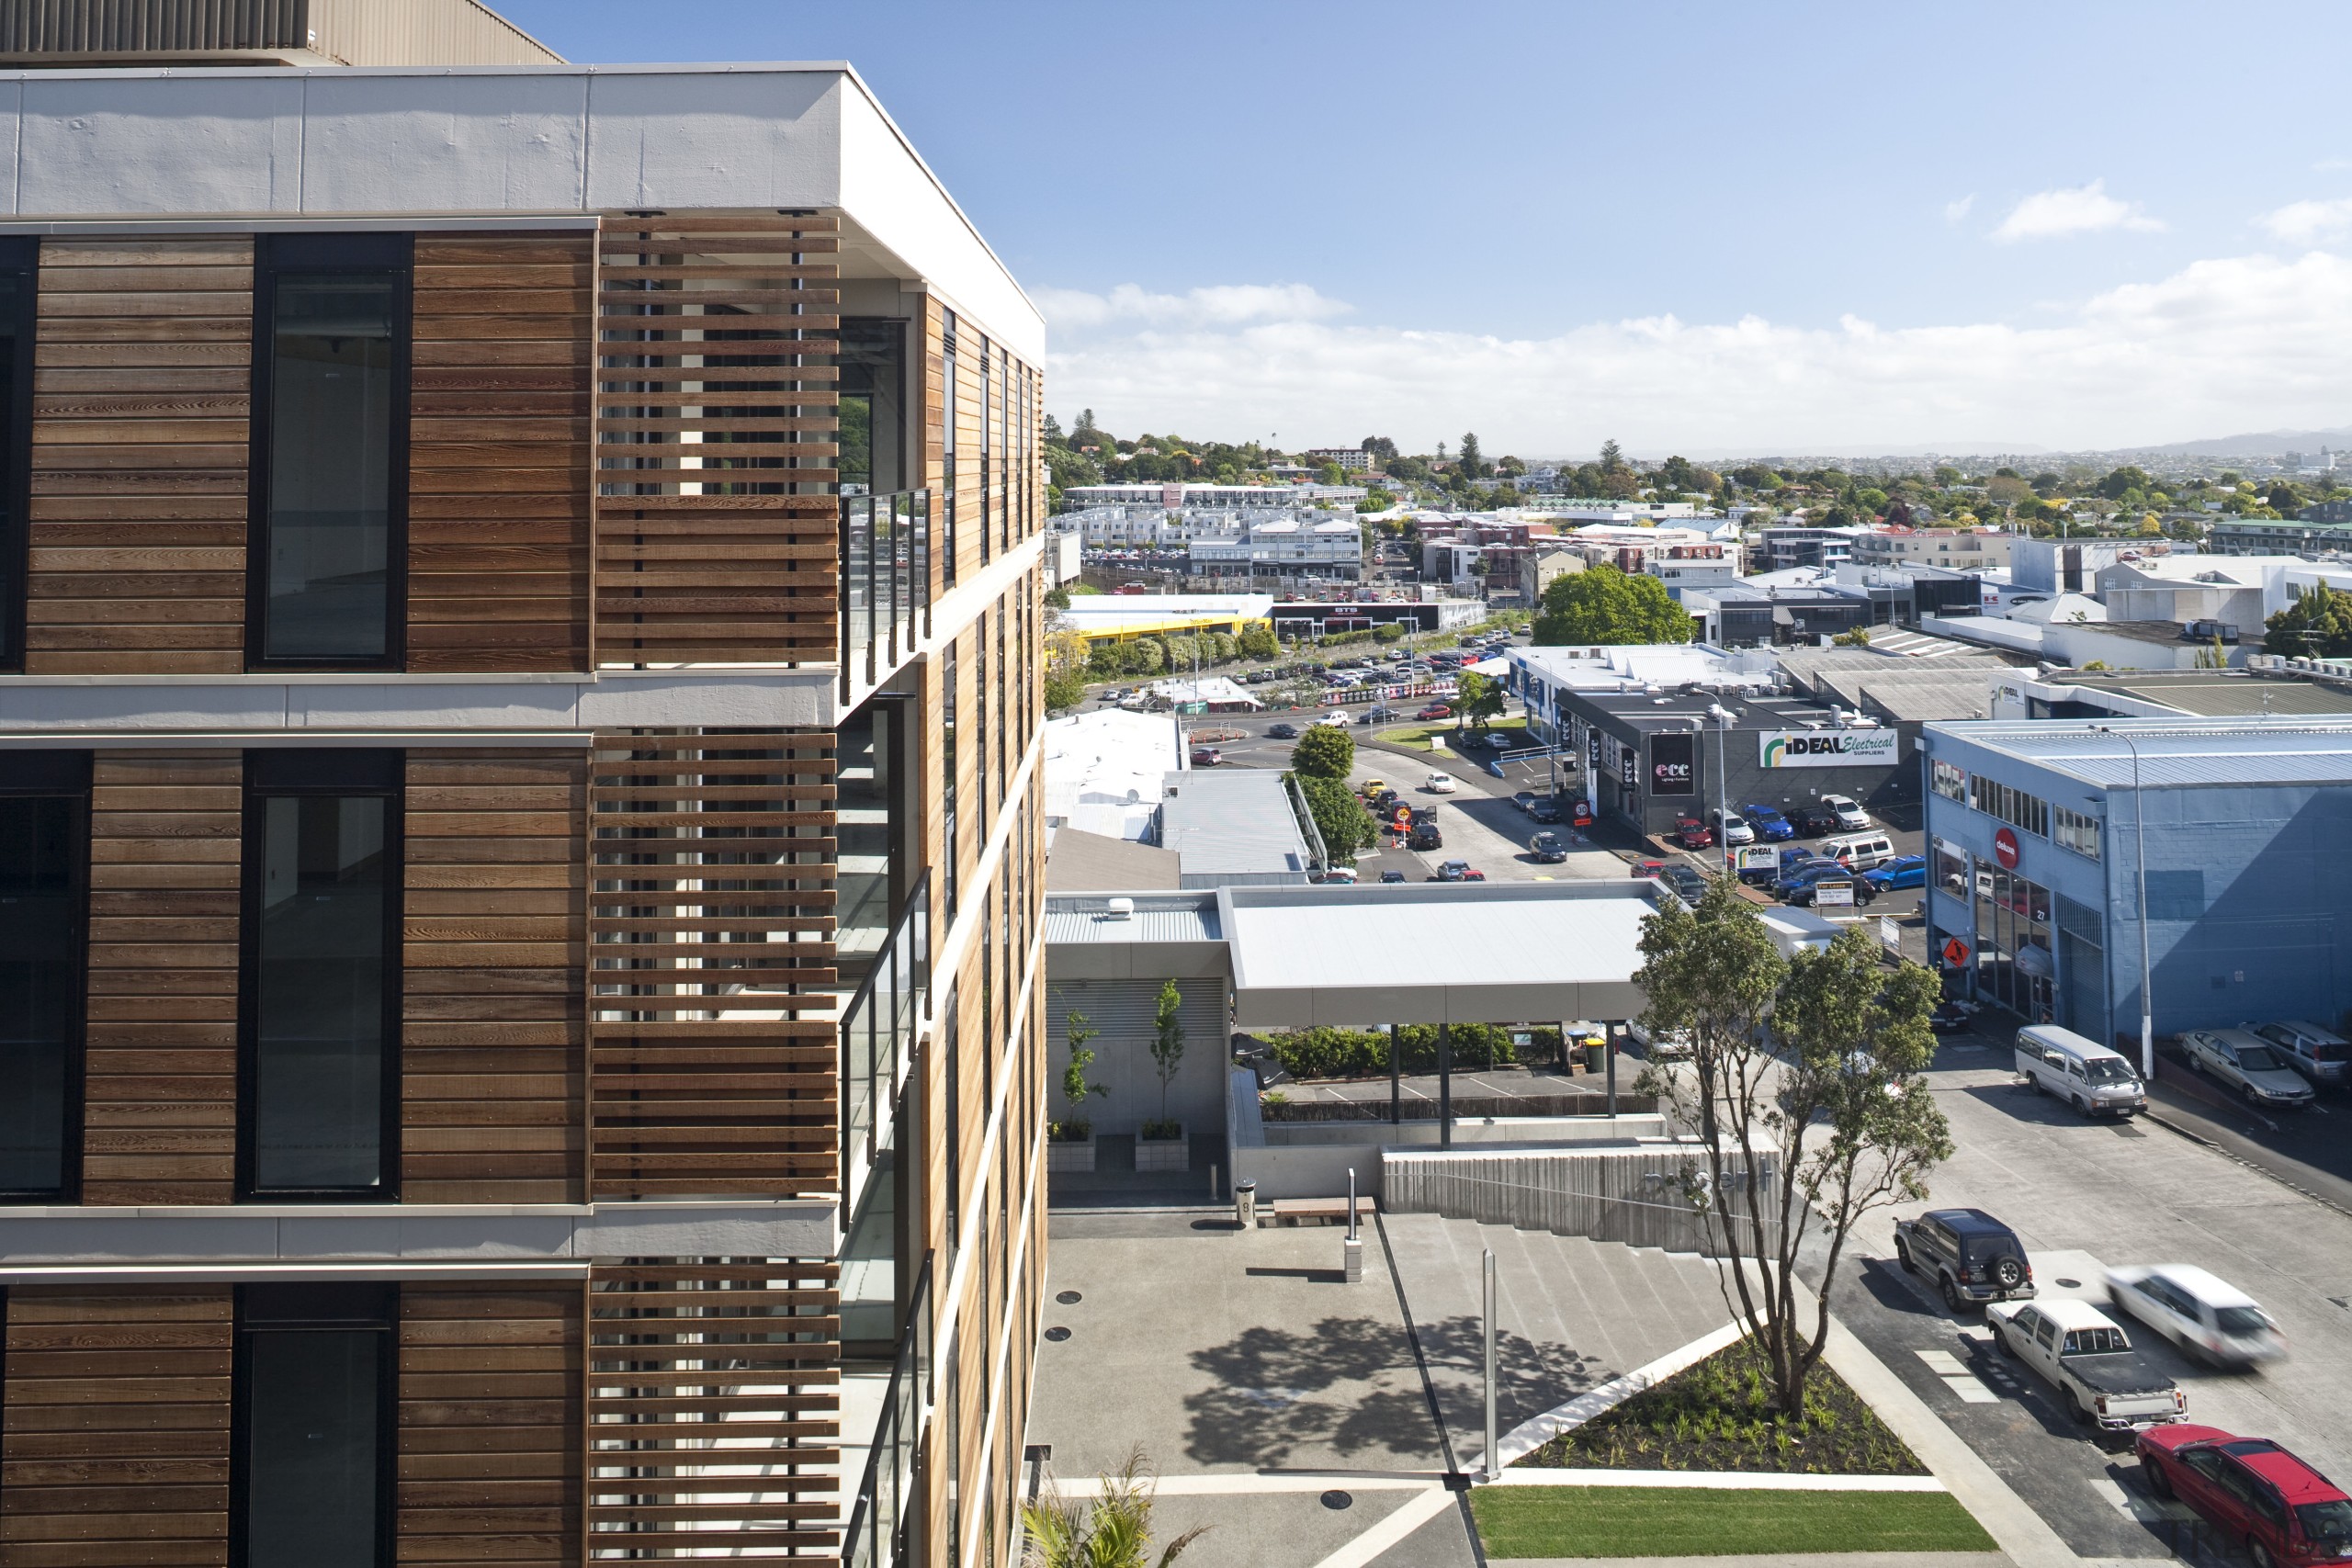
1308,547
2304,534
1172,495
2039,890
1958,549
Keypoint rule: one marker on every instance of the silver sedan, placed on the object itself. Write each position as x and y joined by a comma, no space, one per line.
2248,1064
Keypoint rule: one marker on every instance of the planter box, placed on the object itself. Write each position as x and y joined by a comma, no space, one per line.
1071,1157
1164,1153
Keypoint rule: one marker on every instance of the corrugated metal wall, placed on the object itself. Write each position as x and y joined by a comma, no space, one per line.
352,32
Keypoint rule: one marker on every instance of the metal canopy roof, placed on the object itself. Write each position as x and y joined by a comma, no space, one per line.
2179,752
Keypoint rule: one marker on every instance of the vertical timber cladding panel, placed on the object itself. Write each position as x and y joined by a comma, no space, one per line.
976,527
159,1102
141,392
117,1443
494,1032
490,1411
713,1055
714,1410
932,362
499,452
718,534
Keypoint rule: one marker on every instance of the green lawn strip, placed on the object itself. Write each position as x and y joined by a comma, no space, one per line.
1674,1521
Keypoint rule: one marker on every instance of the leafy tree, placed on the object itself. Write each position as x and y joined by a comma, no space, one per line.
1380,447
1075,1089
1257,641
1613,456
1166,1043
1331,474
1481,697
1064,691
1058,598
1510,468
2122,482
1339,817
1474,463
1601,604
1805,1087
1378,501
1857,638
1325,751
2318,624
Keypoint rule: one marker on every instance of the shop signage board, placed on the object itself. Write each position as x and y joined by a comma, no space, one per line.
1828,748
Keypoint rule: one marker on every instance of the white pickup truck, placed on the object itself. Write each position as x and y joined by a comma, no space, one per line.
2080,1352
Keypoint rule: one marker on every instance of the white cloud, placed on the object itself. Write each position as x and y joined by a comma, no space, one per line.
1956,210
2302,223
2077,210
2244,343
1220,305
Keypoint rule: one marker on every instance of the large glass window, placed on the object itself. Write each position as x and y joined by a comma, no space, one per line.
19,275
44,859
873,406
331,449
314,1395
948,479
322,973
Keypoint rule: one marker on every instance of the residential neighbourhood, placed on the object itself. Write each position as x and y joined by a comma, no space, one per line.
658,902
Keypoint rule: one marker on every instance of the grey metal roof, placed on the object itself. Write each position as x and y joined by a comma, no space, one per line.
1159,916
2216,692
1233,822
2185,752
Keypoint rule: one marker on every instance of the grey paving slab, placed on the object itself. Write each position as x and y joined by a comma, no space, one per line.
1572,1314
1295,1529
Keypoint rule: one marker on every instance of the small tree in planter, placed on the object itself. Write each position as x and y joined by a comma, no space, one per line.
1167,1056
1070,1142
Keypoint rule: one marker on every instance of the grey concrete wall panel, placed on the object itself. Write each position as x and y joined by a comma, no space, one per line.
12,131
460,143
745,139
398,1236
228,143
791,699
763,1230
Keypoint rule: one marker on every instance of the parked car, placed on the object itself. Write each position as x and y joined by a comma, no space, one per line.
1806,894
1691,833
1340,873
1389,876
2198,1311
1525,798
1440,784
1426,837
2088,1358
1971,1257
2084,1073
1548,847
1849,815
2250,1490
1648,868
2247,1064
1770,826
1732,826
1903,871
1206,756
1816,821
1658,1046
1458,870
1688,885
1435,711
1545,812
1951,1017
1282,732
1796,874
2320,1054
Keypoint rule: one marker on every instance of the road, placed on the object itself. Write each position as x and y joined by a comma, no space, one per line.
2083,1195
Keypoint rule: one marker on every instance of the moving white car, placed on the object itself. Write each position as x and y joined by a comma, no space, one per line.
1335,718
1439,783
2247,1064
2082,1073
2204,1314
2082,1353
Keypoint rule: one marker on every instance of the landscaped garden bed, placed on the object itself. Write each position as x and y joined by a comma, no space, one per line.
1678,1522
1717,1415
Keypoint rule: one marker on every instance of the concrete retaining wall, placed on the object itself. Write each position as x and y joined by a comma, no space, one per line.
1635,1195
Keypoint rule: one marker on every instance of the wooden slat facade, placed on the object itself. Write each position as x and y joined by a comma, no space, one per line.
493,1033
160,1106
713,1382
717,530
490,1396
141,396
116,1448
499,453
713,1051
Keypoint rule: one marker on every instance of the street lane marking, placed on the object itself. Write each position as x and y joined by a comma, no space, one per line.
1957,1378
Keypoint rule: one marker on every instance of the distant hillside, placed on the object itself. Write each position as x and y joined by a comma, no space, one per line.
2263,442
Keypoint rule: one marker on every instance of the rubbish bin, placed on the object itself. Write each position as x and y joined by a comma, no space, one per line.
1245,1204
1596,1057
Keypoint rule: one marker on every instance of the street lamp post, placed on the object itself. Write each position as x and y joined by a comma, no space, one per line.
2139,870
1723,718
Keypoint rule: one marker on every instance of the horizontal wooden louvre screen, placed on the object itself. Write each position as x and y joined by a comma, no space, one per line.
491,1393
714,1410
117,1443
494,1030
160,1101
717,530
141,396
712,1038
499,469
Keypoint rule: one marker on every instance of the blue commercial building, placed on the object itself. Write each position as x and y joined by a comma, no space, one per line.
2033,831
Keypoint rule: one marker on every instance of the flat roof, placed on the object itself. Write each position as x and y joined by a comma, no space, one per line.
2183,752
2212,694
1231,822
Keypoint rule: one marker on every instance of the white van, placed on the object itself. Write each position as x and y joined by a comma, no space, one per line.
1859,851
2085,1074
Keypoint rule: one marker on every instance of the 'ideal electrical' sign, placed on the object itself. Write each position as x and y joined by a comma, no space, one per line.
1828,748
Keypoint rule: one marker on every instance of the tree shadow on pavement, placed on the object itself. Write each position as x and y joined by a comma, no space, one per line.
1347,1387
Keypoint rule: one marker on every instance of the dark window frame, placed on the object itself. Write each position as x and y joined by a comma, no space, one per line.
367,1307
20,255
64,773
362,254
322,773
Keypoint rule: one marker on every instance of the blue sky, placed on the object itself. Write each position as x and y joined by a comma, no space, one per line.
1712,228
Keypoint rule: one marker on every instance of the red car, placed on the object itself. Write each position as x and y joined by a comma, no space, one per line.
1648,867
1691,833
1435,710
2252,1491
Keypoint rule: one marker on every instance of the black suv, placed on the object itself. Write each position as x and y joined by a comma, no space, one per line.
1971,1257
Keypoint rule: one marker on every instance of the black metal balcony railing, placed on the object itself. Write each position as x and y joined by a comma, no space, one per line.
886,579
879,1514
877,1036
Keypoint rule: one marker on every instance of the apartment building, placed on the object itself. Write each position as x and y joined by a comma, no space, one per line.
1956,549
519,857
